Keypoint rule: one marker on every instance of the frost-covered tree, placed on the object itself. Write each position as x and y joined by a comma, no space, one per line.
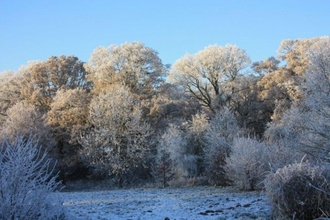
315,110
247,164
67,116
132,65
206,75
171,106
296,53
304,127
277,90
116,142
281,87
27,182
69,108
293,52
42,79
25,119
265,66
9,93
222,130
250,112
196,144
174,142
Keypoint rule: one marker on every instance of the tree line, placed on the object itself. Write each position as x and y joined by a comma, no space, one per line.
211,118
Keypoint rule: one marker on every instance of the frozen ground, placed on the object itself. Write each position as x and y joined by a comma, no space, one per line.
179,203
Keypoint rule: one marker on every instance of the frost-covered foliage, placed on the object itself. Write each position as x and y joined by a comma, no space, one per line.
279,154
117,140
196,143
280,87
25,119
222,130
132,65
305,126
69,108
265,66
67,116
174,142
41,80
9,92
288,130
247,165
296,52
299,191
198,148
315,111
26,182
171,106
204,74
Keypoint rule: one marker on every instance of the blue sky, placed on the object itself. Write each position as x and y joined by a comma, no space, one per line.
36,30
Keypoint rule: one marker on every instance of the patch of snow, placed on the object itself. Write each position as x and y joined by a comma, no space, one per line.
174,203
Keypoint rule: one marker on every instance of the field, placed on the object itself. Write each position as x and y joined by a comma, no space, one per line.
173,203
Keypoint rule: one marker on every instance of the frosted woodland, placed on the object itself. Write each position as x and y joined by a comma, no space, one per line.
124,136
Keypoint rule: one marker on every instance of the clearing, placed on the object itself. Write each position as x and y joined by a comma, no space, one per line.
173,203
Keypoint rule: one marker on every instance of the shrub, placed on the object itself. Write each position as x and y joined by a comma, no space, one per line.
299,191
26,182
246,165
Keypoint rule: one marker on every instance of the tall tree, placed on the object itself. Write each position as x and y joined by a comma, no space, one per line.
305,126
24,119
9,93
132,65
206,74
220,133
67,116
280,87
117,140
41,80
266,66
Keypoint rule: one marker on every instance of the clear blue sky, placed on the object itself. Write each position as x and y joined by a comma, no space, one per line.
36,30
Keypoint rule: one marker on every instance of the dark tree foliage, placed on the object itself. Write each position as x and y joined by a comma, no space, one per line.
163,169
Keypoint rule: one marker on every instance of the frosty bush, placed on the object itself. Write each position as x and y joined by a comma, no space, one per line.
299,191
246,165
182,161
219,137
26,182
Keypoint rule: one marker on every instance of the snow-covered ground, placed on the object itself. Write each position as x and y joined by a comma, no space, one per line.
178,203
